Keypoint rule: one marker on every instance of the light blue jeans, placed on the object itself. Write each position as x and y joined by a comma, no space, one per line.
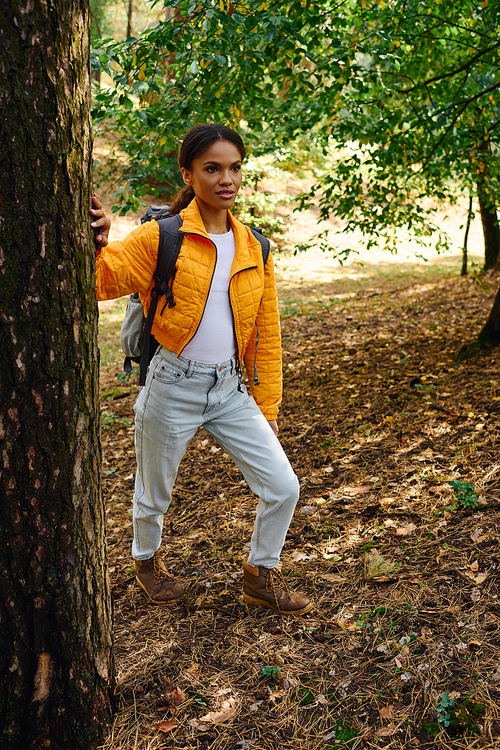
179,396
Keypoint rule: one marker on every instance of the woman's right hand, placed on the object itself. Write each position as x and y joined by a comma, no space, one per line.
101,224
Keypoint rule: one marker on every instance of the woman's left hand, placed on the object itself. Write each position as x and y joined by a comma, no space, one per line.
274,426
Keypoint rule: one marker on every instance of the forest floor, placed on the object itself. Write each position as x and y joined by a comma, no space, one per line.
402,649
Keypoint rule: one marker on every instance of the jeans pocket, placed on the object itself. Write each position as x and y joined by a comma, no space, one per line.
168,373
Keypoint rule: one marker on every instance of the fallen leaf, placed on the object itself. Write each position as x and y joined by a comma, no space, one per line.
277,694
256,706
197,725
307,510
474,645
386,712
477,578
332,577
454,695
405,530
474,566
476,536
334,557
356,490
322,700
178,697
347,624
387,731
166,726
298,556
216,717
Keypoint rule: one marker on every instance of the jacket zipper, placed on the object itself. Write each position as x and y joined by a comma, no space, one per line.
238,362
256,380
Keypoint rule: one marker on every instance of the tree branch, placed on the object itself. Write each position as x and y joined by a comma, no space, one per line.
452,73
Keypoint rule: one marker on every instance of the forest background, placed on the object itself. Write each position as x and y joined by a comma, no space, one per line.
379,121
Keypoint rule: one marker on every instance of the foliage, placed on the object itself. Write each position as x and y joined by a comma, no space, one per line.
403,91
458,718
445,703
256,206
420,98
465,493
343,733
110,421
270,672
108,18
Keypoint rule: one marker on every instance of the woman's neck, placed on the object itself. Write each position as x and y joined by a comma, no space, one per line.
216,221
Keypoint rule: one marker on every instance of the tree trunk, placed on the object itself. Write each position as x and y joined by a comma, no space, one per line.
489,336
129,19
491,231
56,660
466,239
488,210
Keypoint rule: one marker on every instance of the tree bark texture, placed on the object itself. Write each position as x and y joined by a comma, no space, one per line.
488,211
488,337
491,231
56,659
490,334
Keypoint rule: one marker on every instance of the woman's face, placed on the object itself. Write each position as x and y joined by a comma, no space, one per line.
216,175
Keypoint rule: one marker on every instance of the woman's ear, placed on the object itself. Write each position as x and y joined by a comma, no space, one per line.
186,176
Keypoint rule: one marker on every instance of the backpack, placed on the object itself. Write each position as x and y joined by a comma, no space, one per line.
136,340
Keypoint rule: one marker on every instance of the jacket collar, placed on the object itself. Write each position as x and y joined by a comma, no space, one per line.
247,247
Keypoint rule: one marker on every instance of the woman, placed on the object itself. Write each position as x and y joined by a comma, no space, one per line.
225,313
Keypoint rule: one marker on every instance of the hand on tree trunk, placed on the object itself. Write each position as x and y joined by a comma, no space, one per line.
101,224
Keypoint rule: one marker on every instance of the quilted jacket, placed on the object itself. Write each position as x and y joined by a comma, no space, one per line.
128,266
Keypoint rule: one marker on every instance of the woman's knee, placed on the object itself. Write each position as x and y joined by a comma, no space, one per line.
285,486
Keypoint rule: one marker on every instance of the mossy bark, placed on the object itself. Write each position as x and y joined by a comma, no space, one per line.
56,659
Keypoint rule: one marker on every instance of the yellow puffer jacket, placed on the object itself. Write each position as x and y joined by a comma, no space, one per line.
128,266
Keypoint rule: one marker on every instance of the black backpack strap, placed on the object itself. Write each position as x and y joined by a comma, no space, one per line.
264,243
168,251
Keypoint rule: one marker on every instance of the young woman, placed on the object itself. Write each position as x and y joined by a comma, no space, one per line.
225,315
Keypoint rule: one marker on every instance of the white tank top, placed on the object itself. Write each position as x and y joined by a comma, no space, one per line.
214,341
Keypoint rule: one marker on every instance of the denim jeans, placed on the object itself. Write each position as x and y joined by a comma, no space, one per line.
181,395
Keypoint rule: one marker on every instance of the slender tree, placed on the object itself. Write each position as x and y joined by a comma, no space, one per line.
56,660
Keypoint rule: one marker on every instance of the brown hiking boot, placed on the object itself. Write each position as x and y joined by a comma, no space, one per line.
153,578
265,587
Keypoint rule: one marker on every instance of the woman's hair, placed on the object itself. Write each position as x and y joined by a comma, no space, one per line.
195,143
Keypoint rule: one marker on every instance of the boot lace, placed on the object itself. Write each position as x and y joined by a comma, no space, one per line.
275,583
159,570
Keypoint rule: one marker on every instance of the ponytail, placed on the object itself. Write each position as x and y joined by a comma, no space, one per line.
181,200
195,143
